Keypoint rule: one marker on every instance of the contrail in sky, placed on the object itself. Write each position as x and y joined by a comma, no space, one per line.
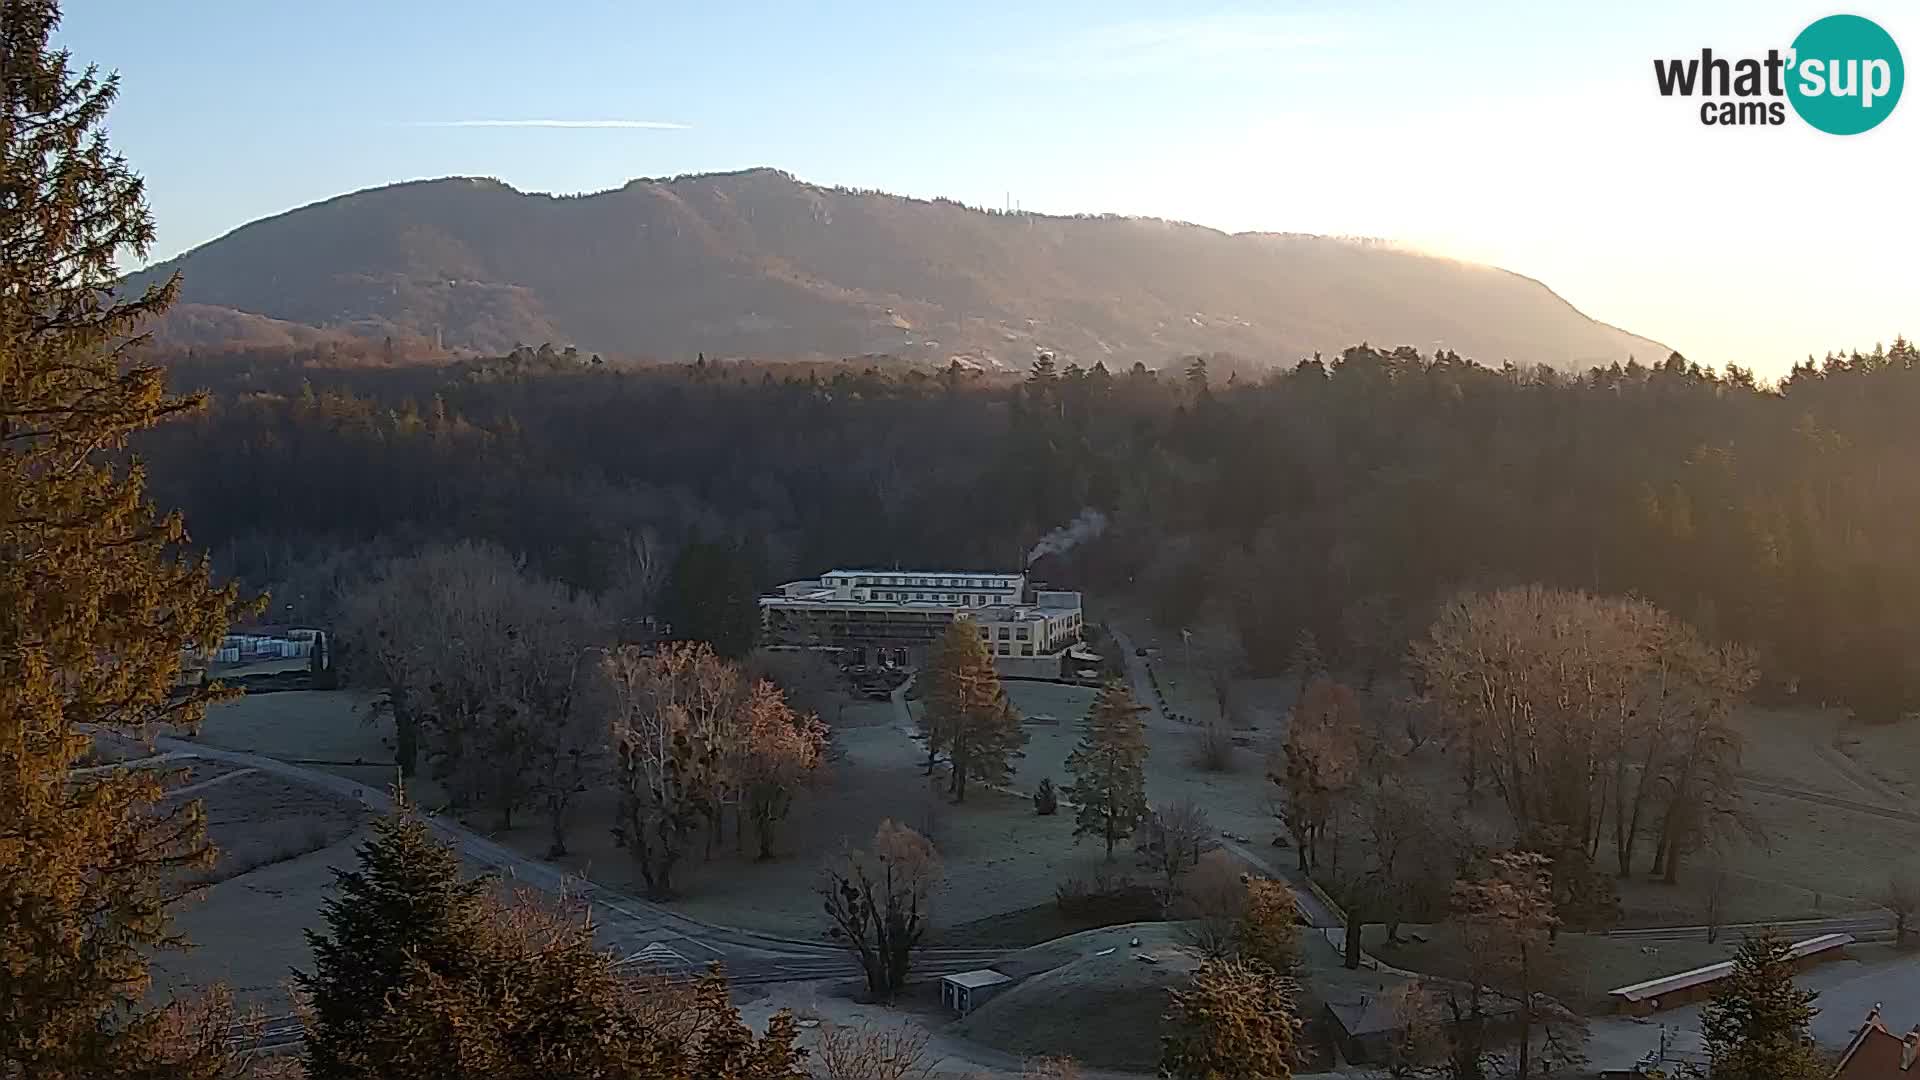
650,125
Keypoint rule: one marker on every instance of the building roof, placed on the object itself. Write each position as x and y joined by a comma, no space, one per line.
1878,1054
972,575
974,980
1687,980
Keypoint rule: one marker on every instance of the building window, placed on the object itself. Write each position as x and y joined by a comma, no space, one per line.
1005,633
1026,650
984,632
1024,634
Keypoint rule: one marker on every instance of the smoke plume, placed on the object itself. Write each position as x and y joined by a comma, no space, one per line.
1088,524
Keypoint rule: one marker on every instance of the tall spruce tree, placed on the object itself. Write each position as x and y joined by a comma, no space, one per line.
404,913
1109,789
967,712
423,976
97,603
1756,1025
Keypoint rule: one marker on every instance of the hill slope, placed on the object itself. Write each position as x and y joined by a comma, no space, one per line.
757,263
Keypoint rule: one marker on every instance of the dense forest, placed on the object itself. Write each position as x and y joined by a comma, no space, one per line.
1345,496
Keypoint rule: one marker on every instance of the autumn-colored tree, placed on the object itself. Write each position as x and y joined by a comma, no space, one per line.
1319,759
1234,1021
878,902
98,603
783,751
1108,767
1756,1025
1506,919
967,714
1269,930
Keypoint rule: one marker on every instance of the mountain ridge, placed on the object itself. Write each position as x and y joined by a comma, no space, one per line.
757,263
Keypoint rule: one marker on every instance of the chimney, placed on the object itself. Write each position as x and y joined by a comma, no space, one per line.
1910,1048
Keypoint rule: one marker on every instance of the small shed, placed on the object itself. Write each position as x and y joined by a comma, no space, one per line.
970,989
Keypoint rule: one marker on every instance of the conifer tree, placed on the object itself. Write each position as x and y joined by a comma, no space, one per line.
404,914
1109,789
1756,1025
428,977
97,605
967,711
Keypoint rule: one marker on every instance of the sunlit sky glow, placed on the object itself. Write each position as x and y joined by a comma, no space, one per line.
1528,135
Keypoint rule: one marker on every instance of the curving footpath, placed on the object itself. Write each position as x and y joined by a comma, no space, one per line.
643,932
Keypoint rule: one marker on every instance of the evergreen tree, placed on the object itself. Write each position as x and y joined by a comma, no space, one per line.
967,712
404,915
1109,789
96,603
428,977
710,598
1756,1025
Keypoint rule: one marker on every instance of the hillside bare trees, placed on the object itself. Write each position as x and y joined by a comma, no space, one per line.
1592,719
879,901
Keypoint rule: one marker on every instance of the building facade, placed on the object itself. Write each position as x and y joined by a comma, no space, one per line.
892,617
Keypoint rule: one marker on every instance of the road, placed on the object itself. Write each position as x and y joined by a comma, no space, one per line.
645,934
1317,913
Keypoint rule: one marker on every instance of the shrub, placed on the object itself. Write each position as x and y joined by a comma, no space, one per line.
1045,800
1213,747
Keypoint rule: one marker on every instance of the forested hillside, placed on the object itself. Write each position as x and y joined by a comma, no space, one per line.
759,264
1346,497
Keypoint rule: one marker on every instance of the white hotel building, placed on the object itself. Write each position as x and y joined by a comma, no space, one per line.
892,616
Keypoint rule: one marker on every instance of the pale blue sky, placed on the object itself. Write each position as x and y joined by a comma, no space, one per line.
1524,134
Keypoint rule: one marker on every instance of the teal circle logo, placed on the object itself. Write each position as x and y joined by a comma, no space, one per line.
1846,75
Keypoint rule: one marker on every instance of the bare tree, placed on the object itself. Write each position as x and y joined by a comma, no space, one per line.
1902,897
807,679
1585,711
1172,841
878,902
1714,886
671,716
871,1052
483,661
1213,747
1211,904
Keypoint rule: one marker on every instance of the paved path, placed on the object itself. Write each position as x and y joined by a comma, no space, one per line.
644,933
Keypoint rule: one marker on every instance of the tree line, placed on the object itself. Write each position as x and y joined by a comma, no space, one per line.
1347,496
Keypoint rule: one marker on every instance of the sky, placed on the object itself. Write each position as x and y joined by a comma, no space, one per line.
1527,135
